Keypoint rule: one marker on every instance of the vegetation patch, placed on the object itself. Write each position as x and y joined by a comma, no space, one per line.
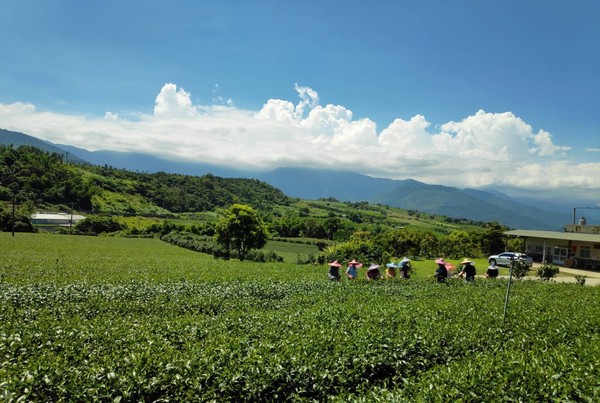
140,320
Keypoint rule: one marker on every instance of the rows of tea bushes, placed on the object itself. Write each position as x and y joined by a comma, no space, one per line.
285,333
269,340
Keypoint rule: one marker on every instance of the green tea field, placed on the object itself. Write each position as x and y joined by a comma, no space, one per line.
117,319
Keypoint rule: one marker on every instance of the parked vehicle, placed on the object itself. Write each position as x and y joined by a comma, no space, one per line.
505,258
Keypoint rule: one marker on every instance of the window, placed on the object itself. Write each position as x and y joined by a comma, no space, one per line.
535,249
585,252
560,253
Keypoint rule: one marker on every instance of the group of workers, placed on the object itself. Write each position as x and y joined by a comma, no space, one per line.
441,273
373,271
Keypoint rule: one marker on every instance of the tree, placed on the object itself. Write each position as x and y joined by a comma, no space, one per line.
400,242
313,229
97,225
515,244
459,243
492,239
429,246
332,225
22,220
241,229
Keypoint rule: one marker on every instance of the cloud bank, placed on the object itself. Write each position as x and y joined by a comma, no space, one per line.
484,149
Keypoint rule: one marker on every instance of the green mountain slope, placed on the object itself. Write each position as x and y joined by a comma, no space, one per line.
17,139
45,179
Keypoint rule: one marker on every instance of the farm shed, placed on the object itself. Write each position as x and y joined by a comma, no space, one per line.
577,246
57,219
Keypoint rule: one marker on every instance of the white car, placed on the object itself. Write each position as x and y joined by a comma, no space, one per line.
505,259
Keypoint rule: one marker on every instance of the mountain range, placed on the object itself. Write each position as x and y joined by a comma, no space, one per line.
473,204
17,139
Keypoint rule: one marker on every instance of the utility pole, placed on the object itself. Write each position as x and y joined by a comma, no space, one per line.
512,266
13,213
71,220
581,208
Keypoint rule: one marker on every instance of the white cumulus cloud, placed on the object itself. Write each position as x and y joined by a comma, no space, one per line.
173,103
483,149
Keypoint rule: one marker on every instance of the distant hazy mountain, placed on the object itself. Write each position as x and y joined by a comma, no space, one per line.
473,204
17,139
316,183
345,186
147,163
413,195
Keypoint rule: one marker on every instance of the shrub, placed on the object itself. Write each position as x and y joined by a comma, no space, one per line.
205,244
580,279
547,272
97,225
519,269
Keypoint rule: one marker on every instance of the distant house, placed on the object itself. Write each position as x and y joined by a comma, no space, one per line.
56,219
577,246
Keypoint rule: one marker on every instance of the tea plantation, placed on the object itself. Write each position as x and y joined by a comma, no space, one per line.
114,319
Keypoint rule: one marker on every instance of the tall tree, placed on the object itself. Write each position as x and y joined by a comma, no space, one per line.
242,229
492,239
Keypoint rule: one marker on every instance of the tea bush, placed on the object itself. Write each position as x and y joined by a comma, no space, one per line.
141,320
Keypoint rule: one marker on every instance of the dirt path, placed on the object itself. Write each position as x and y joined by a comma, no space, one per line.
592,277
588,273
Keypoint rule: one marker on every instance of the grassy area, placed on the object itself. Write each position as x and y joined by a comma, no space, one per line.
291,251
98,319
64,258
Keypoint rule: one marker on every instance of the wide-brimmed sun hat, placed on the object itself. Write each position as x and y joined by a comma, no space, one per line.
440,261
404,260
335,264
373,267
466,261
391,264
353,261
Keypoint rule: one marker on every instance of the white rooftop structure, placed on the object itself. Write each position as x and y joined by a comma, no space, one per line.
56,218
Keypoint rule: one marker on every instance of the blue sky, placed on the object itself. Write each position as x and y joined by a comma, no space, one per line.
463,93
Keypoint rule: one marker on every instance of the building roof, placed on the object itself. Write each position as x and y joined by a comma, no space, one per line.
56,216
565,236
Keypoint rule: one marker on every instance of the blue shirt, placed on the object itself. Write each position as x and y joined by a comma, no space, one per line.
351,271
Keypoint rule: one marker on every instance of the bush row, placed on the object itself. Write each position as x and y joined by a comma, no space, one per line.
205,244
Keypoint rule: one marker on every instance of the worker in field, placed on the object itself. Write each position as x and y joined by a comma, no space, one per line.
334,271
373,272
405,268
390,270
441,273
492,271
468,270
352,270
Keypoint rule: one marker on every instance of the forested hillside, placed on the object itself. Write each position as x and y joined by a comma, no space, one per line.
46,179
39,180
408,194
